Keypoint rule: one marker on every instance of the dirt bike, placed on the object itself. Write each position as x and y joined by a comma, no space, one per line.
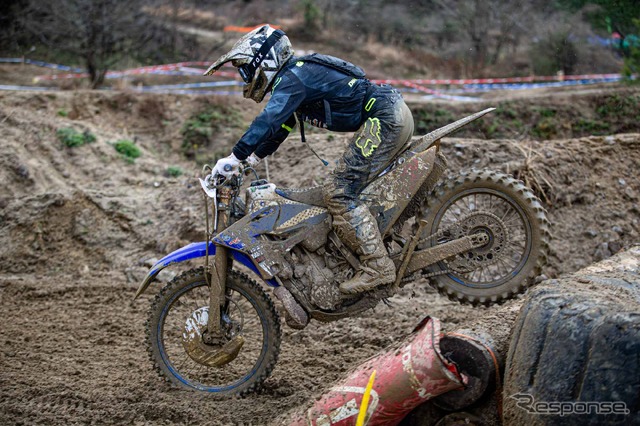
480,238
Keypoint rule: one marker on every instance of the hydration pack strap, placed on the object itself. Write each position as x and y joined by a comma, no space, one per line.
304,140
301,125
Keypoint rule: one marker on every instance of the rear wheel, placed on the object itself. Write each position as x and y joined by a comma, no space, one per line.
508,213
179,314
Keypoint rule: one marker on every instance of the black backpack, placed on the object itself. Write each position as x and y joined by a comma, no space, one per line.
335,63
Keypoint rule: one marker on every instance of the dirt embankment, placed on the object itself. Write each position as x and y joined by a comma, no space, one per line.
79,223
541,114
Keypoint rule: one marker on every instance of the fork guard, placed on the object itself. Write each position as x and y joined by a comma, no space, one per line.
194,251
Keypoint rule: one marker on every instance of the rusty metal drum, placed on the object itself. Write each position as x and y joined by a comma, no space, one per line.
407,375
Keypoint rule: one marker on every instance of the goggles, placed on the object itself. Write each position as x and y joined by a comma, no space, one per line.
248,71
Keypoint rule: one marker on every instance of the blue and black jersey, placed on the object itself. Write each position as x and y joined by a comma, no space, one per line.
320,95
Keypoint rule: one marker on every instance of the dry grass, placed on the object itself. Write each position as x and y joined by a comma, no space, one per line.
533,172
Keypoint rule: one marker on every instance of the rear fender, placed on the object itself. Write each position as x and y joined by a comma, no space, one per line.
193,251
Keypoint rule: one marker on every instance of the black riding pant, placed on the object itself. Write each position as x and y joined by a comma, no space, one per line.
387,128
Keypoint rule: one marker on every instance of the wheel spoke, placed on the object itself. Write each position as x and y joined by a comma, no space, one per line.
505,261
507,213
502,219
244,319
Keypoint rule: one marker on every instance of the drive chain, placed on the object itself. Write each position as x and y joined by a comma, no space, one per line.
438,234
419,275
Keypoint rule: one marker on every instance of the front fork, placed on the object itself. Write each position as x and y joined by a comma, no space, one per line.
217,271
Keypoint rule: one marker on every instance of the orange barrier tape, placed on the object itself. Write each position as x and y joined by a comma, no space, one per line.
233,28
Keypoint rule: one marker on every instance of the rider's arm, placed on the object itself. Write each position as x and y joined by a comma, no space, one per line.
267,128
270,146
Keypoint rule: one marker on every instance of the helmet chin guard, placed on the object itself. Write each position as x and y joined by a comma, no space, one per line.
258,55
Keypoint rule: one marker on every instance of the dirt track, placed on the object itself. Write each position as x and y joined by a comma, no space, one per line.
79,224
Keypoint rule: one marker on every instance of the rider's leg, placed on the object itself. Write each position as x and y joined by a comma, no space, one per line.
373,147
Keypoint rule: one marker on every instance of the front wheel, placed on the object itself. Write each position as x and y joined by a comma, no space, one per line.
509,214
181,308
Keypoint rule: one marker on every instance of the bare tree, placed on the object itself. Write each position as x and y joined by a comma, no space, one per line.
489,25
512,22
101,32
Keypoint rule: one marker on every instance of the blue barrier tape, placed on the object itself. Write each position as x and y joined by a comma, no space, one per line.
194,92
117,74
193,85
41,64
520,86
453,98
28,88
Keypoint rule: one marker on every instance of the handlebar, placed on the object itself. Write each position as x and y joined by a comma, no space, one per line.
212,182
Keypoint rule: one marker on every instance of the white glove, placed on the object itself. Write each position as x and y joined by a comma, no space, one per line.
227,167
253,160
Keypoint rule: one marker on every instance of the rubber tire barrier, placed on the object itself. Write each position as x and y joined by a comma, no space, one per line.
260,301
576,340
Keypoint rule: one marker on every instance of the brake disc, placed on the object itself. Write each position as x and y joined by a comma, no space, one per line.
202,353
483,222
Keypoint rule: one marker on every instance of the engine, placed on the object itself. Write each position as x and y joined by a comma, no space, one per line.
318,274
314,265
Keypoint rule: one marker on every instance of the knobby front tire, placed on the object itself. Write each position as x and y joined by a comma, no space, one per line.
252,314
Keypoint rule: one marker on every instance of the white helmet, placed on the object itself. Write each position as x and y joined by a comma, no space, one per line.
259,55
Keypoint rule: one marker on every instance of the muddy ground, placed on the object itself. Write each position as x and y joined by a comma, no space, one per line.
80,225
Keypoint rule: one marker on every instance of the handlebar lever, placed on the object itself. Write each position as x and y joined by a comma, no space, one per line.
210,190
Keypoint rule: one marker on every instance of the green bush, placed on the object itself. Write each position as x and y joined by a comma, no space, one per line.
174,171
632,59
506,111
545,112
89,137
429,120
545,128
71,137
618,105
199,129
592,127
128,149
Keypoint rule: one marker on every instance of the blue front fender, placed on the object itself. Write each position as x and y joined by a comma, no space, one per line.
193,251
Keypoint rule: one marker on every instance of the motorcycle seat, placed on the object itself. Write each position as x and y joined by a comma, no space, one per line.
312,196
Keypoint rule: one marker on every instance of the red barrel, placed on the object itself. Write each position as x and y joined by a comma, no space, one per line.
407,374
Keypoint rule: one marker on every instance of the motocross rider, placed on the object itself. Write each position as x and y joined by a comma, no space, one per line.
342,100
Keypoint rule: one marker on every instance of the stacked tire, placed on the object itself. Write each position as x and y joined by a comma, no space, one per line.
574,355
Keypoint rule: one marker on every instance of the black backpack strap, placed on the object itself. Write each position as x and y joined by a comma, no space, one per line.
341,65
304,140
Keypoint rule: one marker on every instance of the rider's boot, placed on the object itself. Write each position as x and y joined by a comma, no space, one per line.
359,231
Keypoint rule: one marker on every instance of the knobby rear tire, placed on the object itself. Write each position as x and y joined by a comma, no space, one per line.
526,205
